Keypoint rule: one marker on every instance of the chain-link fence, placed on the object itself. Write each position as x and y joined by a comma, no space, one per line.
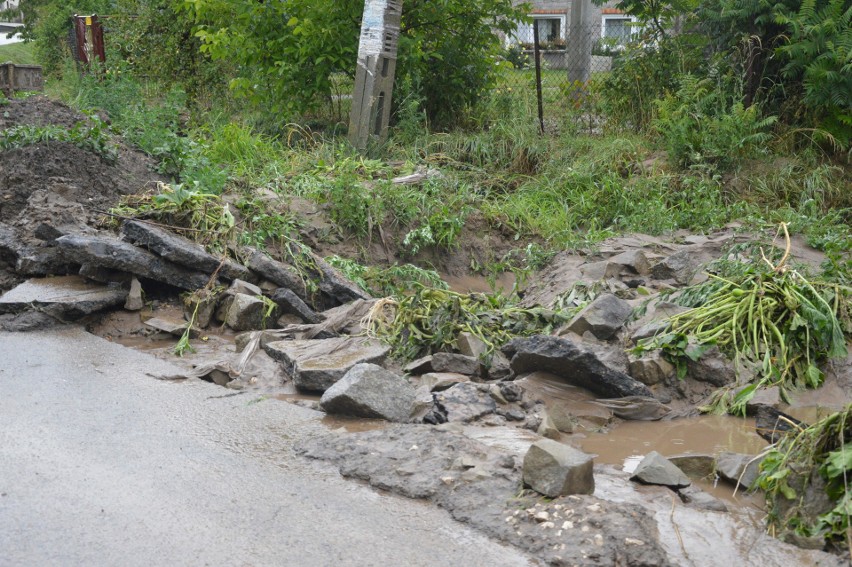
550,68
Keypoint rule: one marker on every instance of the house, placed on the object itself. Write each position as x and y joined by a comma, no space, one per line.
553,18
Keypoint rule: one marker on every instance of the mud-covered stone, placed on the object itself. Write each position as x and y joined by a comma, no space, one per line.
458,363
65,297
112,253
242,286
471,345
696,466
603,317
181,251
636,408
315,365
656,469
246,313
651,368
554,469
437,381
370,391
463,402
171,326
632,261
561,357
548,429
134,300
712,367
696,498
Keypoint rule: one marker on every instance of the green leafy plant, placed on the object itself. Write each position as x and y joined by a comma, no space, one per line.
806,477
391,281
91,135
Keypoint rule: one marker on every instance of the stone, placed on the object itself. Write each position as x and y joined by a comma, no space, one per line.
656,469
498,368
64,297
246,313
316,364
561,357
648,330
554,469
695,466
244,287
283,275
464,402
335,286
561,417
632,261
171,326
651,368
770,397
202,305
437,381
637,408
419,366
370,391
458,363
105,275
43,261
548,428
134,300
603,317
712,367
772,424
112,253
680,267
511,392
181,251
696,498
732,466
496,393
471,345
290,303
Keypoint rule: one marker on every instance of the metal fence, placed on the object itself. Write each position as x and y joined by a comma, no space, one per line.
548,71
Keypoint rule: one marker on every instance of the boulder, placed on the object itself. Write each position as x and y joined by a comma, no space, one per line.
290,303
171,326
463,403
680,267
651,368
370,391
202,304
632,262
656,469
498,367
696,498
242,286
112,253
548,428
561,357
712,367
603,317
554,469
335,286
181,251
738,468
315,365
246,313
65,297
471,345
458,363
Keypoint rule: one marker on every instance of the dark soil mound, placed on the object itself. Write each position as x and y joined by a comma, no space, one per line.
53,188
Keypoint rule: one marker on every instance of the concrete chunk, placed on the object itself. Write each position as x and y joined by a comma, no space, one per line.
370,391
66,297
554,469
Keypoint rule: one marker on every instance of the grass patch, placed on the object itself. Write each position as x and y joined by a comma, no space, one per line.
22,53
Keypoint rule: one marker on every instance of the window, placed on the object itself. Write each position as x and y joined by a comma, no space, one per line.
617,30
549,29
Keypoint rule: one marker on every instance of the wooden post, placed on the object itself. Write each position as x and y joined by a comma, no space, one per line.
371,99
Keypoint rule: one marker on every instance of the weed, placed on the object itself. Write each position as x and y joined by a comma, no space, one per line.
383,282
89,135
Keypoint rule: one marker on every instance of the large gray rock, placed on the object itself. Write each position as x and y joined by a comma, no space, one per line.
277,272
246,313
462,403
561,357
738,468
370,391
335,286
171,326
289,302
554,469
471,345
66,297
696,466
181,251
134,300
112,253
680,267
603,317
712,367
632,261
437,381
656,469
315,365
444,362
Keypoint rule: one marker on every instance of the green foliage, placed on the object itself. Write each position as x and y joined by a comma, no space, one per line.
288,51
819,50
395,280
703,125
91,135
430,320
810,460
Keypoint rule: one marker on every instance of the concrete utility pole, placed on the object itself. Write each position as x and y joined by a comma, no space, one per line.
371,100
580,41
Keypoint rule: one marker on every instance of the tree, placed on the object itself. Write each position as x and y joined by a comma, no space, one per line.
287,52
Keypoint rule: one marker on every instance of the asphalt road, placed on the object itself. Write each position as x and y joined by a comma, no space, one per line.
101,464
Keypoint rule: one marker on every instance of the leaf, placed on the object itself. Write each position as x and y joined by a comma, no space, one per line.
839,462
694,352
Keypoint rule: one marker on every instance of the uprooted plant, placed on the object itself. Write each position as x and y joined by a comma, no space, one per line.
430,320
806,478
769,318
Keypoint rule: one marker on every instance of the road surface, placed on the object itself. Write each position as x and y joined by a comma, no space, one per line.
101,464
